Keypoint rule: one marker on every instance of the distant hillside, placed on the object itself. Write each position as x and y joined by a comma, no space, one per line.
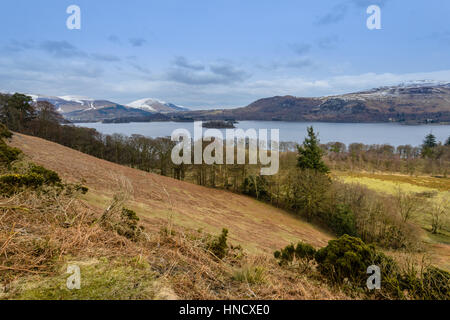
105,114
421,102
155,105
408,103
67,104
78,109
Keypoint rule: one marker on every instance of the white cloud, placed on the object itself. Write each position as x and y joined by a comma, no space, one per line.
243,93
217,85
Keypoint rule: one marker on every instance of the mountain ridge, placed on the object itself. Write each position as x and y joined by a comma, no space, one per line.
412,103
418,103
84,109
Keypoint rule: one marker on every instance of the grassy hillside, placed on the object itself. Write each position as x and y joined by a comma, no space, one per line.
136,235
257,226
42,232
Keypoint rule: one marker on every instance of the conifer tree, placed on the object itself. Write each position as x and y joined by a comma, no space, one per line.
428,144
310,154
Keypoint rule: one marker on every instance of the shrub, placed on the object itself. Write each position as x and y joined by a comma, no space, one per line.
8,154
50,177
129,215
4,132
397,237
348,258
34,177
303,251
436,284
128,224
286,254
218,246
10,183
433,284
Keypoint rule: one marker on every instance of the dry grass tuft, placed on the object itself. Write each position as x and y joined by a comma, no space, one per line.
38,229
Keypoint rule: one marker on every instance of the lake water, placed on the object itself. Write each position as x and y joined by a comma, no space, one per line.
367,133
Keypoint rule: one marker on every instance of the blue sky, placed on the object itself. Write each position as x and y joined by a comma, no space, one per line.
219,53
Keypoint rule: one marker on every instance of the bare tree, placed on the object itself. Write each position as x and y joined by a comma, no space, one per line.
408,204
439,213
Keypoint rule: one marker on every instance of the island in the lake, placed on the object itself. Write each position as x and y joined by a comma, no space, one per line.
219,124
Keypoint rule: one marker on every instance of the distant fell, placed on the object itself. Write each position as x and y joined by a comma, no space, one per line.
407,103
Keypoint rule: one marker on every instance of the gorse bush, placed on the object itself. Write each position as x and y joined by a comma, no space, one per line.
33,178
348,258
8,154
128,224
50,176
218,246
305,251
11,183
286,254
302,251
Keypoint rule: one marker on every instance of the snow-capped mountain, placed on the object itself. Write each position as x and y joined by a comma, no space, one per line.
155,105
69,104
66,104
422,89
77,108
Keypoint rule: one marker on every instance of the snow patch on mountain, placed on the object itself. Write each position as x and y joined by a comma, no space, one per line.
145,104
78,99
155,105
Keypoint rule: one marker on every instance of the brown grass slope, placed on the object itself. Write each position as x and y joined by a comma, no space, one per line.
254,225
